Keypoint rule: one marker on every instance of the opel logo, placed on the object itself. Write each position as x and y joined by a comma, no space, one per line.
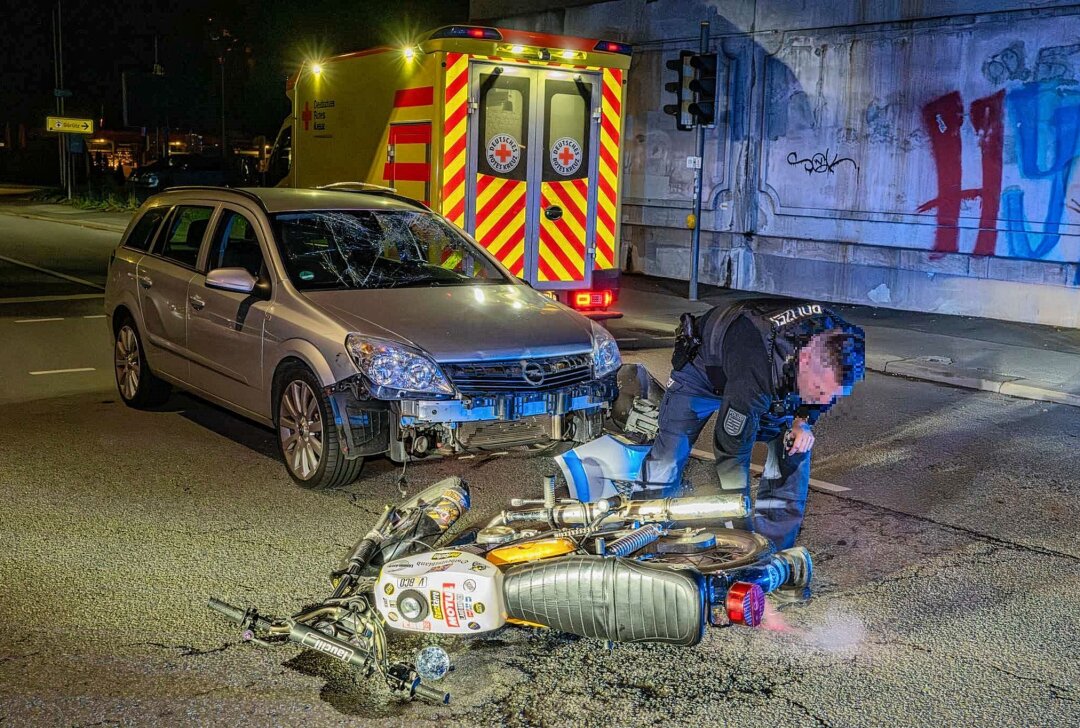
532,373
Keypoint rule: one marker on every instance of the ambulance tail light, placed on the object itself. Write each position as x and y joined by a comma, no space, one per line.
586,300
610,46
467,31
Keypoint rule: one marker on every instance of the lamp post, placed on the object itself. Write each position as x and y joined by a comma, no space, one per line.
224,41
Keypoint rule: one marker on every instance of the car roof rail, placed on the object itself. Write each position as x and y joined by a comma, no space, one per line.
238,190
355,186
371,189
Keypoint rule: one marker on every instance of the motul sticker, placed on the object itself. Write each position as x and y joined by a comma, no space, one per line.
450,610
503,153
566,156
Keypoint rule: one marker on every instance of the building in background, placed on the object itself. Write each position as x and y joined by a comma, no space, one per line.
913,155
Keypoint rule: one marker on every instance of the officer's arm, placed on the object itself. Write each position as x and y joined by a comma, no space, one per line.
746,399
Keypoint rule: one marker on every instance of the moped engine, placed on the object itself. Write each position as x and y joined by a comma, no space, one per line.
443,592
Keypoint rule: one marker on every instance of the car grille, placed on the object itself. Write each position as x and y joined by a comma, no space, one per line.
510,376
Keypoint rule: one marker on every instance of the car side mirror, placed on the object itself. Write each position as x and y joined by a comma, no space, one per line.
231,279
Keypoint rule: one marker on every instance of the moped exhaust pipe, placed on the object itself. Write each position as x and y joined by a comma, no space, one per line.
691,510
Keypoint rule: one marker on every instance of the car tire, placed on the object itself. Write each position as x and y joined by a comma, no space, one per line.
306,434
137,385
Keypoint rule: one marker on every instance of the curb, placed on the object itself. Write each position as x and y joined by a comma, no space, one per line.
78,223
1016,387
902,366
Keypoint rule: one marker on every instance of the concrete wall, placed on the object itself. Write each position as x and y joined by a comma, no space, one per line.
918,155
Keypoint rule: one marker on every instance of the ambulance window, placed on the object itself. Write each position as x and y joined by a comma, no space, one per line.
566,130
504,125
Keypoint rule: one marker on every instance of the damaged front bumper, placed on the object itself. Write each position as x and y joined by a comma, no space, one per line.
410,428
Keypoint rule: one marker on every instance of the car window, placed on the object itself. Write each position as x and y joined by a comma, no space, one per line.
235,245
142,235
186,231
361,249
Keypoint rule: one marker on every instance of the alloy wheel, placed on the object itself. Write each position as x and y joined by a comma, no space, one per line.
127,360
300,428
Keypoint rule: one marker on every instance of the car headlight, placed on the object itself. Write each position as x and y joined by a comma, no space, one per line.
151,180
605,351
396,366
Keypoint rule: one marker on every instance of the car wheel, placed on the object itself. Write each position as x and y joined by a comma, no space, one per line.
307,435
137,385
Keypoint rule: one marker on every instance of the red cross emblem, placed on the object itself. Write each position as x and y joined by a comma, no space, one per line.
565,156
306,116
503,153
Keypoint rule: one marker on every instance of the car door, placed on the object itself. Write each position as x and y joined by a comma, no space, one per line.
225,328
162,278
530,196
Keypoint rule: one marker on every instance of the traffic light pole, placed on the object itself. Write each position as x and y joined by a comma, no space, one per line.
695,234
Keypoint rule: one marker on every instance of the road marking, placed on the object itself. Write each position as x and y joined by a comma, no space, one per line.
36,321
96,315
50,299
65,276
757,469
63,371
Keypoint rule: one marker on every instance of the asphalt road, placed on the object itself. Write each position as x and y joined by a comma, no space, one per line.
947,586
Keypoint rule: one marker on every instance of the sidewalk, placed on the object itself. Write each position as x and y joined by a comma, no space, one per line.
93,219
1019,360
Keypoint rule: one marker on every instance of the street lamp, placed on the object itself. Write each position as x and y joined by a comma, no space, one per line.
224,40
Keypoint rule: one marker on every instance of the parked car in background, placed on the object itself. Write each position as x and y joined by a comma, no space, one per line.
175,170
354,323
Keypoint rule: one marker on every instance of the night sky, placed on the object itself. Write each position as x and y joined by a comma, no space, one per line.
102,39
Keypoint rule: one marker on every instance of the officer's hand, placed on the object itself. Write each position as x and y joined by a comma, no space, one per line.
801,437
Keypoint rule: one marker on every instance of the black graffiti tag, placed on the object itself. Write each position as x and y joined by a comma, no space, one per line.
820,163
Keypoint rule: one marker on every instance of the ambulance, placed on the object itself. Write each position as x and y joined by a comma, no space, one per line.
513,136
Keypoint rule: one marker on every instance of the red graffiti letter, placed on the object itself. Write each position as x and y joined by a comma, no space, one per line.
942,119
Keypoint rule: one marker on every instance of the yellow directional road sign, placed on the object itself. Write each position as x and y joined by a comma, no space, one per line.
69,126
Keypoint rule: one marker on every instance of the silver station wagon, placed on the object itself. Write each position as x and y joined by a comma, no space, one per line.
354,323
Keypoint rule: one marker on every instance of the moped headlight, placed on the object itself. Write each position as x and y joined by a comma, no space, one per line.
396,366
606,357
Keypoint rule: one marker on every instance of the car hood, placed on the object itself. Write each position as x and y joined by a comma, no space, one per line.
463,323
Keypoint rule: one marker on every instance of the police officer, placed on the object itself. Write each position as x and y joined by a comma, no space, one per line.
771,367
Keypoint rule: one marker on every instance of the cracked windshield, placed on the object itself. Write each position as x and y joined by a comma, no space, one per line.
365,249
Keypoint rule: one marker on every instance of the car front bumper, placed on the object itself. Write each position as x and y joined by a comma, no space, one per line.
370,426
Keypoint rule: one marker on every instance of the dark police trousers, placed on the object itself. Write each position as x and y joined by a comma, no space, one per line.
781,499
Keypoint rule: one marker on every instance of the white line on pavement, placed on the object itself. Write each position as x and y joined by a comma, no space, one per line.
63,371
756,470
49,299
96,315
39,269
36,321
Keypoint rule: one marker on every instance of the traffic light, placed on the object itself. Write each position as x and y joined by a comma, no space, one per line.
684,74
703,86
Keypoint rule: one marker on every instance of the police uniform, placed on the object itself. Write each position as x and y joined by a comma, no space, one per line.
742,361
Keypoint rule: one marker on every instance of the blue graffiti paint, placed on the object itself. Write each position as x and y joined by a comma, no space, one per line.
1046,118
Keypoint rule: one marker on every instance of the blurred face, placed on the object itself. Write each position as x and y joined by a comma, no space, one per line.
819,380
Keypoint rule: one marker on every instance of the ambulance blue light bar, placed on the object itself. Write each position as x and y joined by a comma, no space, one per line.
467,31
610,46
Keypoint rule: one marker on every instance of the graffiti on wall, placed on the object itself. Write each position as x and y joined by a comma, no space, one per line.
819,163
1040,110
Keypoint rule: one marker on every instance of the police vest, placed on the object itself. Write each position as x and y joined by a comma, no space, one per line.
784,326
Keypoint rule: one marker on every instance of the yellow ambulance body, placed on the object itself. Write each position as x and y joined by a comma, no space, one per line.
514,136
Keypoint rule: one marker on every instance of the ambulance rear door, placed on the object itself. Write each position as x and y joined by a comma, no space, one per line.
532,170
